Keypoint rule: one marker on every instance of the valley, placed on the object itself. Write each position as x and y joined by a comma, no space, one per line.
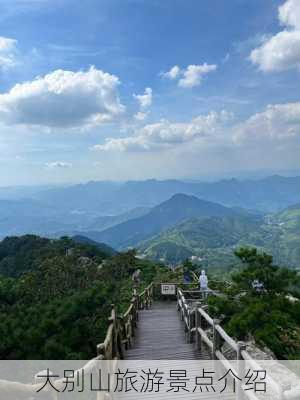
166,221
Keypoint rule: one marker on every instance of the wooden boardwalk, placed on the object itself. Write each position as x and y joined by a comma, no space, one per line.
160,336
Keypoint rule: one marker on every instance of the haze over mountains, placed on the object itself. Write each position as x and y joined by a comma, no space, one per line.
180,207
168,220
268,194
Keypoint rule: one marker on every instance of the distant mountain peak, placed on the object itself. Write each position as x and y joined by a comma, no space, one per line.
176,209
182,197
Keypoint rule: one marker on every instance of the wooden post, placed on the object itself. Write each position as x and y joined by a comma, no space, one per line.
189,327
198,338
151,294
113,320
216,339
241,346
101,350
134,315
119,346
147,298
135,297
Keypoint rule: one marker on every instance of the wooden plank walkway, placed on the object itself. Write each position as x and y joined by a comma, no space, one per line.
160,336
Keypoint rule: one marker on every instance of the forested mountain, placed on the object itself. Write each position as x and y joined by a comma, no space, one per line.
101,246
96,206
211,239
214,239
19,255
55,296
284,227
146,214
166,214
104,222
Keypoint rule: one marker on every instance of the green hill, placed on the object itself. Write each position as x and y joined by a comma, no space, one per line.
213,239
56,296
79,239
285,227
19,255
178,208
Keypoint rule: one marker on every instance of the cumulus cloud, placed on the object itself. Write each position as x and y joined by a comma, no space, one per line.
63,99
277,122
191,76
166,134
59,164
8,51
282,51
145,100
289,14
173,73
194,74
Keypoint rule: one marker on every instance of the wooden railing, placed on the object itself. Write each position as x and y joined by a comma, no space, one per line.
121,328
198,323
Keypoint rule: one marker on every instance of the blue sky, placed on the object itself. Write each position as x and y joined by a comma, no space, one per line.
134,89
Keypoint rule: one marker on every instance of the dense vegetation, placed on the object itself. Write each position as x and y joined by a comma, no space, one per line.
214,239
166,220
259,304
55,296
210,238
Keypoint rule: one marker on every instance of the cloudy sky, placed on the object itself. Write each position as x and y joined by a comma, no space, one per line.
134,89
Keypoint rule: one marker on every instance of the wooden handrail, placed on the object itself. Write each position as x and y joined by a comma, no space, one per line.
247,357
206,316
196,331
121,328
231,342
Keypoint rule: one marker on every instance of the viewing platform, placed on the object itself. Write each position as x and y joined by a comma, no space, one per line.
161,335
171,322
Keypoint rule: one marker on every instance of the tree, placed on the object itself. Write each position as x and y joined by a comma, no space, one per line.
258,305
259,269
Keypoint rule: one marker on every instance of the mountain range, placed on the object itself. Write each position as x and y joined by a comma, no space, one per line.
168,220
212,240
268,194
96,206
178,208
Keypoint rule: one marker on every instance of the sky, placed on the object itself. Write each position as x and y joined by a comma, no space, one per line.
138,89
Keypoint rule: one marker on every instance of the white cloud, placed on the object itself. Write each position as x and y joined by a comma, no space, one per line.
191,76
289,13
59,164
194,74
7,44
8,50
145,100
173,73
140,116
282,51
278,122
166,134
63,99
277,125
